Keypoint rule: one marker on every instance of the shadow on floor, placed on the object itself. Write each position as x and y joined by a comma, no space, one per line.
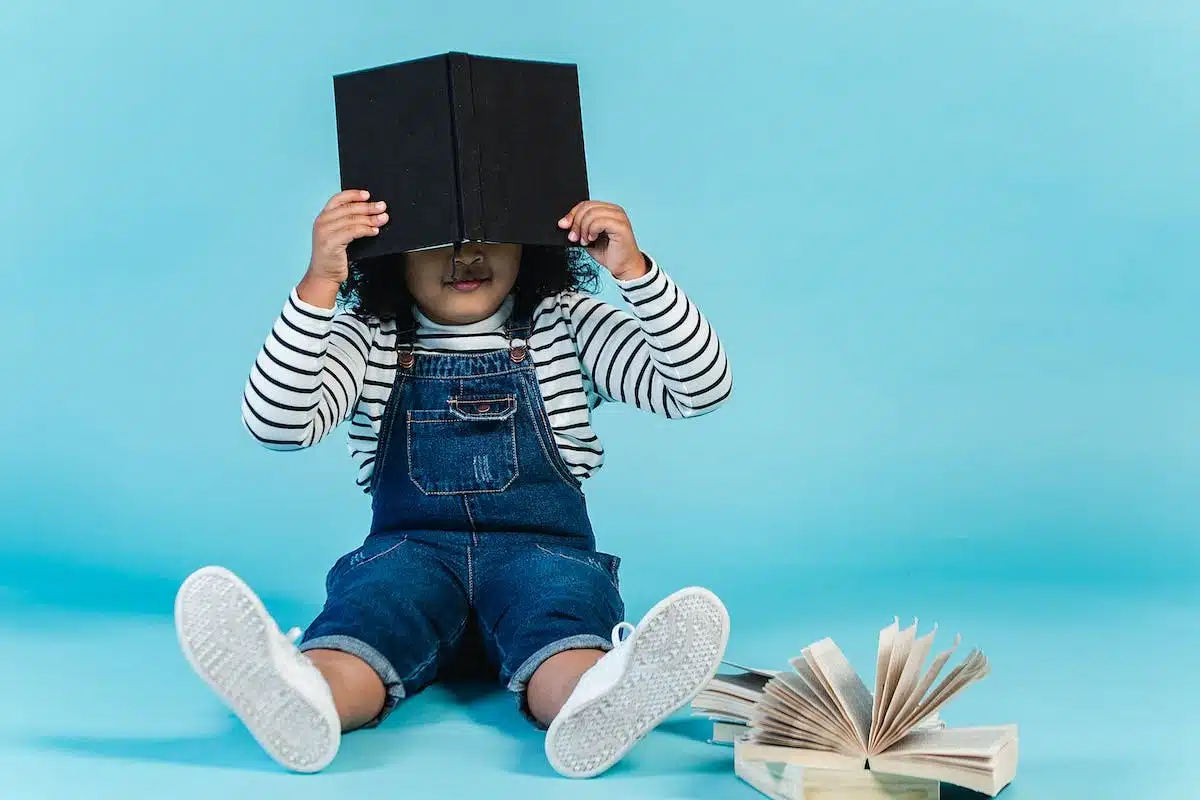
235,749
496,708
56,583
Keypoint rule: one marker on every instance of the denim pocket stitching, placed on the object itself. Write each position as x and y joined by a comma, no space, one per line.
508,405
512,434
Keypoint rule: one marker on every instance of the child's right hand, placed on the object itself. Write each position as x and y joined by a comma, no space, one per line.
346,217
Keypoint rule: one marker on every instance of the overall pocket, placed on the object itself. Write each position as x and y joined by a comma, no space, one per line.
469,447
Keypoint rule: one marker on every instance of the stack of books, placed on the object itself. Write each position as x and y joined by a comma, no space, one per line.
817,731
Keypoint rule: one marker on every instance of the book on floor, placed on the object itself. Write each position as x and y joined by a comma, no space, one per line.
820,715
729,699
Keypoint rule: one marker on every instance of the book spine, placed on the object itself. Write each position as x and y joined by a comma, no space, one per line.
467,155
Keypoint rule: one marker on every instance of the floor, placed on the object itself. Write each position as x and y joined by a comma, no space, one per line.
100,705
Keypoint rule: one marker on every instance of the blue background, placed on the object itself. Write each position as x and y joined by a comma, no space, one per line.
951,249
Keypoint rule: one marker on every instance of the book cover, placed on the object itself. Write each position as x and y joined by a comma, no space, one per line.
462,148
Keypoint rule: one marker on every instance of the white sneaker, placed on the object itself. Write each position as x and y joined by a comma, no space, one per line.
666,660
236,647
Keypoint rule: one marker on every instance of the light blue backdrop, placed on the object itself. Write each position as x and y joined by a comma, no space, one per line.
951,248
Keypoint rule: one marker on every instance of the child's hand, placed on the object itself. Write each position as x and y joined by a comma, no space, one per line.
604,229
346,217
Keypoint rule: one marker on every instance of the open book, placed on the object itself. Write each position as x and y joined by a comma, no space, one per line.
821,715
729,700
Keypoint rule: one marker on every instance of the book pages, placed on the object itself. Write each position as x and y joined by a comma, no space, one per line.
763,673
747,685
789,710
973,668
976,742
887,639
821,715
910,663
853,699
982,759
820,691
904,709
730,697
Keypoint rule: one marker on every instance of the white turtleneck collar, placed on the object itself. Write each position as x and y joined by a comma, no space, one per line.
493,324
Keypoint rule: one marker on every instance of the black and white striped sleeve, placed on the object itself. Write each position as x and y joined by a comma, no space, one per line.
664,357
307,377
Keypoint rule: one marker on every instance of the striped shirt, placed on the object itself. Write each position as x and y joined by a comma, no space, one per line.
318,369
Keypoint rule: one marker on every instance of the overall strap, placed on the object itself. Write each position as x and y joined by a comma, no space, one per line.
406,342
518,329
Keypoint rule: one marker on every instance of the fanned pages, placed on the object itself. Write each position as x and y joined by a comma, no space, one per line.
822,716
883,673
852,697
907,691
808,685
731,697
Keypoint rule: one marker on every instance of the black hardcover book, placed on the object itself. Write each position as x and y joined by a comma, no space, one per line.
463,148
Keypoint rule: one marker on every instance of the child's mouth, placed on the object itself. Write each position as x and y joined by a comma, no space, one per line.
469,286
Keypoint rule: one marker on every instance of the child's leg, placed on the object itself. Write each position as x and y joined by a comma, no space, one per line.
555,680
398,605
656,669
394,608
235,646
358,692
551,615
546,614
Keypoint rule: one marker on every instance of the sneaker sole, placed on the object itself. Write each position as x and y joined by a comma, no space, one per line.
675,651
226,635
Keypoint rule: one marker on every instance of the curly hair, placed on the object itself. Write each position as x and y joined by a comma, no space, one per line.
376,287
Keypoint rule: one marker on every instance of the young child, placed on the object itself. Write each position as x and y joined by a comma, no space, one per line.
468,375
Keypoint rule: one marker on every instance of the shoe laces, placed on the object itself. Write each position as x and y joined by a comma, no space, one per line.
617,639
292,637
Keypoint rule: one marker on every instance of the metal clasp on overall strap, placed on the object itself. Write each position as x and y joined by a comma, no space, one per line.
517,350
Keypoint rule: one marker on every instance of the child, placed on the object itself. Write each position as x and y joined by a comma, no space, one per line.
468,375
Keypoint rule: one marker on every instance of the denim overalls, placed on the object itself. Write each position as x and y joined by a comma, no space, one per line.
479,531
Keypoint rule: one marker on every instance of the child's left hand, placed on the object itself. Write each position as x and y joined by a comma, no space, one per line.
604,229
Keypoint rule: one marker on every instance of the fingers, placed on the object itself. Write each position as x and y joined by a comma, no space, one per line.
354,209
569,219
345,230
348,217
348,232
589,219
347,196
594,222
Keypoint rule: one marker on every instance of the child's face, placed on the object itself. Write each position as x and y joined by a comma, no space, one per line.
464,288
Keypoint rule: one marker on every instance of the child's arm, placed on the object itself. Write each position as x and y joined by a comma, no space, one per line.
307,377
310,371
664,357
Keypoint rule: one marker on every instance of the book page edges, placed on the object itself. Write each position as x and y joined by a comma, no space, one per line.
983,741
996,773
817,759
